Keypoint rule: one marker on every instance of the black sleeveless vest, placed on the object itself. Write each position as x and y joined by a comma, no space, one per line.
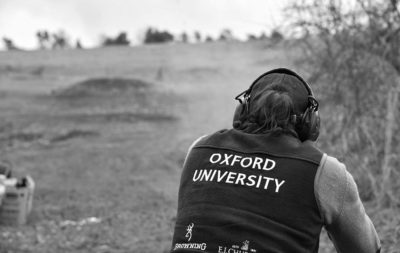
247,193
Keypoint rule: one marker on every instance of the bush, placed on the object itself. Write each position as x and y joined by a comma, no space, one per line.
9,44
276,36
152,35
354,56
120,40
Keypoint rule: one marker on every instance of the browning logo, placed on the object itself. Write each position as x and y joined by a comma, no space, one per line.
189,231
245,245
193,245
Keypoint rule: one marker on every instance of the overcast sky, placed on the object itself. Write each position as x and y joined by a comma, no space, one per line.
89,19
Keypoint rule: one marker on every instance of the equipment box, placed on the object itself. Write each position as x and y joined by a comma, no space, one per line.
16,203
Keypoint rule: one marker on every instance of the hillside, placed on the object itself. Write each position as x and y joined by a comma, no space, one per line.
104,132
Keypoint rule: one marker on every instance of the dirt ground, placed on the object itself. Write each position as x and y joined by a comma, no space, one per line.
104,133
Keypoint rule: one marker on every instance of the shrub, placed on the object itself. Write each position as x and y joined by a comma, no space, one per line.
354,56
153,35
120,40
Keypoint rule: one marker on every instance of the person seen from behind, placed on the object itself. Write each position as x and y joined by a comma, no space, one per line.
263,186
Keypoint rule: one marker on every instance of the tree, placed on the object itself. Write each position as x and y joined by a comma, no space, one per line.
251,37
209,39
354,54
153,35
184,37
263,36
226,35
9,44
120,40
197,36
60,40
43,38
276,36
78,44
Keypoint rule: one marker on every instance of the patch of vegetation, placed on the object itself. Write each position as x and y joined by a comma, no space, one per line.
73,134
353,54
120,40
102,86
13,139
153,35
128,117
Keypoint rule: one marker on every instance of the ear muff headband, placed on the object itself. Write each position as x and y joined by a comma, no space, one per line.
247,92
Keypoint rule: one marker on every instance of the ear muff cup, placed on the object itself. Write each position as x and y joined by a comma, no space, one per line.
314,127
308,127
240,109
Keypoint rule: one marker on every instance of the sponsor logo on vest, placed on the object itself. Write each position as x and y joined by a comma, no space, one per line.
245,245
237,249
189,231
198,246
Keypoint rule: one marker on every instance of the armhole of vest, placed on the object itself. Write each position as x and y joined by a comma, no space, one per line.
191,147
195,142
316,182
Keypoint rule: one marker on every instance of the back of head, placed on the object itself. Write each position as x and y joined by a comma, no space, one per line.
277,102
270,114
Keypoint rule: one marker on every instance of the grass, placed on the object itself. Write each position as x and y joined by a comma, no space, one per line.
104,132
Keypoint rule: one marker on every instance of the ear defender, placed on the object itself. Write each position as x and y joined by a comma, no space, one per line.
306,125
240,108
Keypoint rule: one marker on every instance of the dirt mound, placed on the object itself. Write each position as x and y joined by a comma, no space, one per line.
128,117
114,100
102,86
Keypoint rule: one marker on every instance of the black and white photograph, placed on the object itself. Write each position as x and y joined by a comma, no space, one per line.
199,126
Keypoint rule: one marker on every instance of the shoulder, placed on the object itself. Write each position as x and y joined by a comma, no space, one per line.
212,138
192,145
331,169
330,187
197,141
